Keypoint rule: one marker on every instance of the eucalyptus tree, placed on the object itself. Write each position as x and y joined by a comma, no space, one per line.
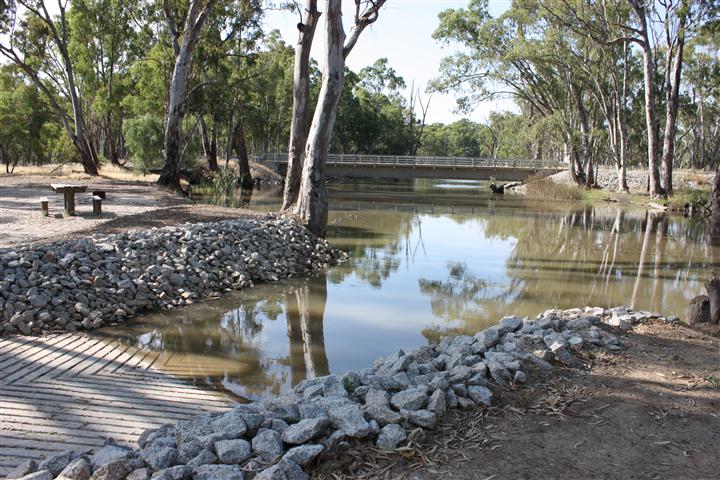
102,44
39,44
183,43
311,205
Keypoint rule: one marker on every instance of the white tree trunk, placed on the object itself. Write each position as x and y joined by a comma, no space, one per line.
301,103
312,206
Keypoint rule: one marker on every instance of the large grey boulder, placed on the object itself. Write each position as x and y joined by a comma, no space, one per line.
410,399
78,469
109,453
305,430
304,454
232,424
350,419
178,472
233,451
391,436
268,444
436,402
383,415
204,457
218,472
159,457
480,395
283,470
57,462
25,468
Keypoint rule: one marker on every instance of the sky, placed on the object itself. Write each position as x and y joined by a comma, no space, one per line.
402,34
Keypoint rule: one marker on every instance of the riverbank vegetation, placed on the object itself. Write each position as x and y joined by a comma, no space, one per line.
159,84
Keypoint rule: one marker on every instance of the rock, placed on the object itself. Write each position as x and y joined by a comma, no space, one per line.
139,474
480,395
436,402
57,462
333,387
520,377
305,430
39,475
304,454
381,414
109,453
283,470
159,457
204,457
391,436
350,419
421,418
38,301
510,324
233,451
115,470
218,472
410,399
699,310
25,468
78,469
488,337
268,445
179,472
231,424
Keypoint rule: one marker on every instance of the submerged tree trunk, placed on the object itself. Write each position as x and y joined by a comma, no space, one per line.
671,109
312,206
301,104
170,173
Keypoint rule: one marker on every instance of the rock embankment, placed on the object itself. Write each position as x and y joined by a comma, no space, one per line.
87,283
277,437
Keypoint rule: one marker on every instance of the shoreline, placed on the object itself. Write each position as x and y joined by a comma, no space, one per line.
386,405
87,283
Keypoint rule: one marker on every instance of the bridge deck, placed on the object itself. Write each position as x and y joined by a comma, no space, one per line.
71,391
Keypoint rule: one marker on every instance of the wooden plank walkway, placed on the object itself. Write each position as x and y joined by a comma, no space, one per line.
72,391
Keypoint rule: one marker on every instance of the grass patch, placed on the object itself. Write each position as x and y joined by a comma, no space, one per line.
543,187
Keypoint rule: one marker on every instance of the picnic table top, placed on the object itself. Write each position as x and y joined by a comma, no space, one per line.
64,187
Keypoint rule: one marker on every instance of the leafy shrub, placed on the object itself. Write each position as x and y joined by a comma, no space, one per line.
144,136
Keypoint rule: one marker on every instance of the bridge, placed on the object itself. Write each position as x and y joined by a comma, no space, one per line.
403,166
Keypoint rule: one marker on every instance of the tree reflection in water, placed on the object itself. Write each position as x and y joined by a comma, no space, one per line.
585,257
214,344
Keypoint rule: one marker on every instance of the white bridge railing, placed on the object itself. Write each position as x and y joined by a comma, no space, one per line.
362,160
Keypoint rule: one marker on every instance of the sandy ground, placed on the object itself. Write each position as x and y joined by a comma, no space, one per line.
651,411
130,204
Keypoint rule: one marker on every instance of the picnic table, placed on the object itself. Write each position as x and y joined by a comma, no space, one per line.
68,192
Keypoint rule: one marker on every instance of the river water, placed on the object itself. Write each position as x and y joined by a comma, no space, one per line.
428,258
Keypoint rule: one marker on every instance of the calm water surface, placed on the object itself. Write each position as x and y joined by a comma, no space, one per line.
428,259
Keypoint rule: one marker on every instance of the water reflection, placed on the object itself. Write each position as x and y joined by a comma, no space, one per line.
224,344
427,259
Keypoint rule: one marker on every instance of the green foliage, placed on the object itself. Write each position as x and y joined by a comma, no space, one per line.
144,140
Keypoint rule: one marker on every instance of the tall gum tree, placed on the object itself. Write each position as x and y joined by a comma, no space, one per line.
311,205
197,13
301,102
40,48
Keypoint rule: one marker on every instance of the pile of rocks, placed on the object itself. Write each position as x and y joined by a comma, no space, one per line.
277,437
87,283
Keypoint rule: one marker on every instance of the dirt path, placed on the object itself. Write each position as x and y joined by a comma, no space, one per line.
129,205
651,411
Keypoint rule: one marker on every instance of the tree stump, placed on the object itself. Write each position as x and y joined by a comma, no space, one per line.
713,289
699,310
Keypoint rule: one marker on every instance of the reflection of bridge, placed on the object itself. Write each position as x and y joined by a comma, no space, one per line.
399,166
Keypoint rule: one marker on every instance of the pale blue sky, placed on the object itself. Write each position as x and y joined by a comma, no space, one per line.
403,34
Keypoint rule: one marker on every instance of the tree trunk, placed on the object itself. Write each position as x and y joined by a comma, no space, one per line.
209,144
301,104
651,122
312,205
170,173
713,290
246,180
671,110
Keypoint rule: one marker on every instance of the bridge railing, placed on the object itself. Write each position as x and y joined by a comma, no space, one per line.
417,161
